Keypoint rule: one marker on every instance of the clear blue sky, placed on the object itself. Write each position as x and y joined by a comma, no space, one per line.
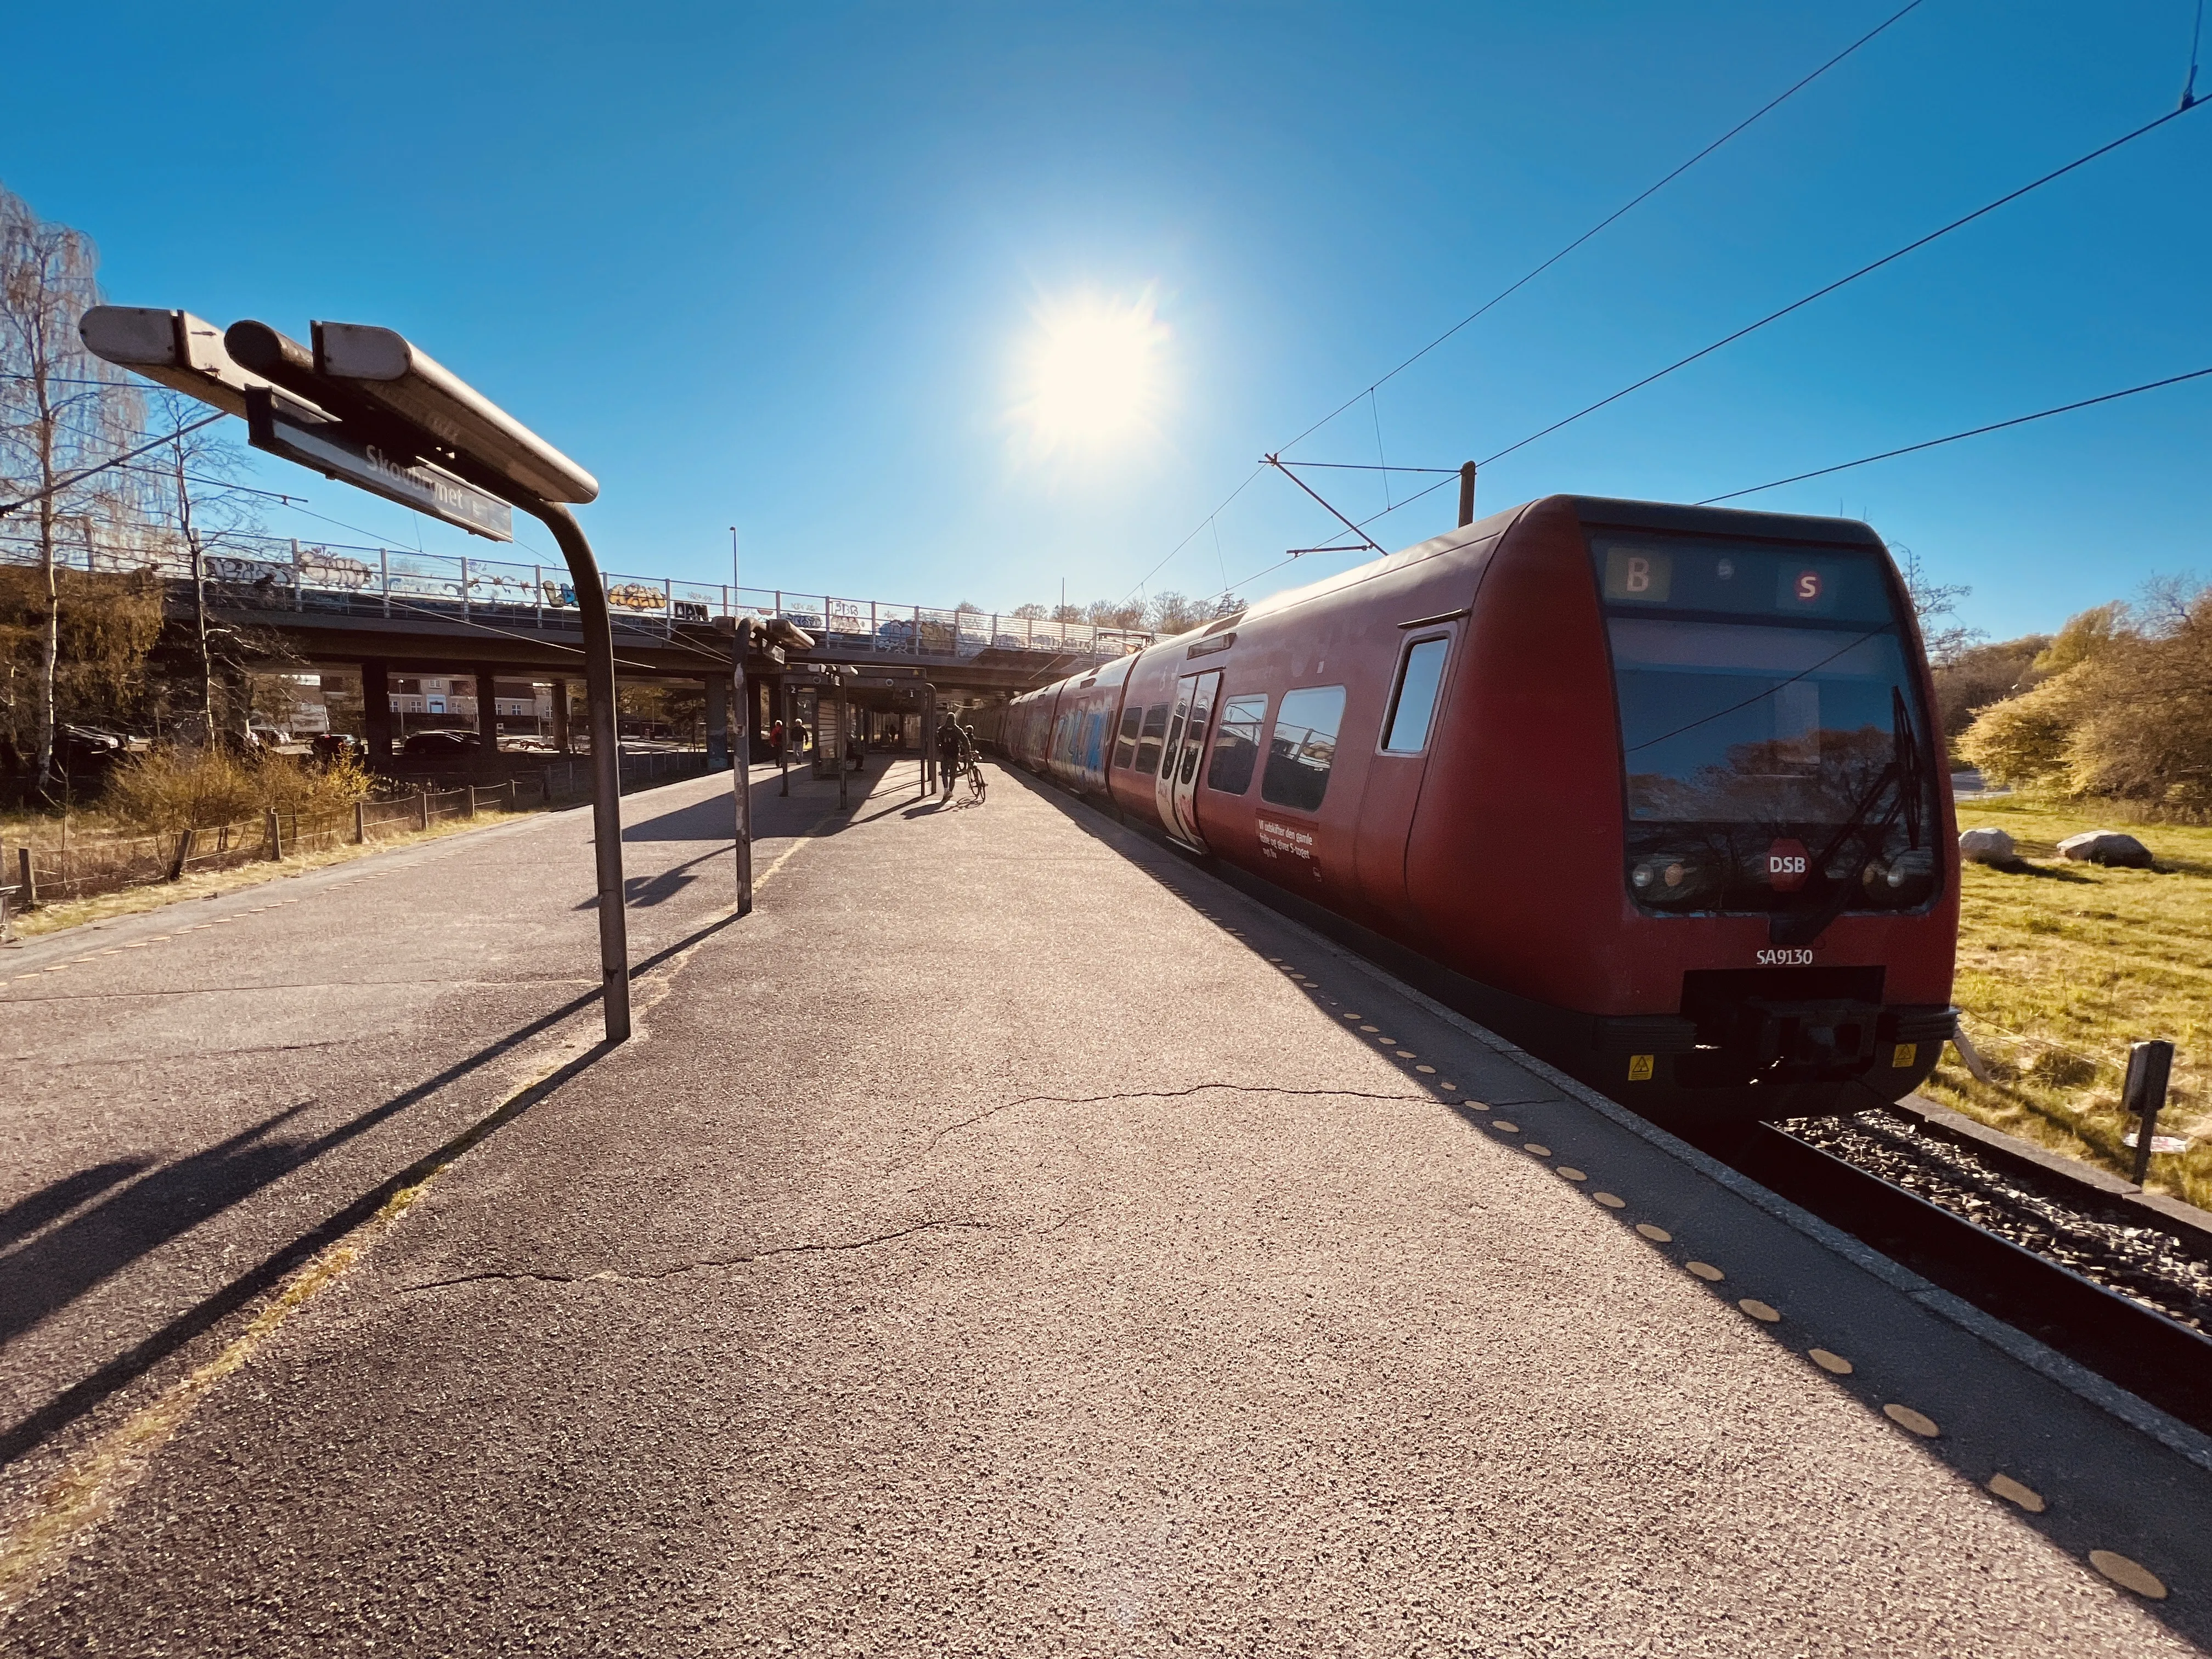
779,267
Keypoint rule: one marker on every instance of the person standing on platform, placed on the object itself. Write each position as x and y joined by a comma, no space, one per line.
948,754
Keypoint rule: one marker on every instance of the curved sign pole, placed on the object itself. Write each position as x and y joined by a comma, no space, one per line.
366,407
606,758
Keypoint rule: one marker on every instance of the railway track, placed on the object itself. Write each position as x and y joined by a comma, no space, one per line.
2077,1269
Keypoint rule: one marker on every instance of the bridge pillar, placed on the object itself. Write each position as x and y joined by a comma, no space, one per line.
717,722
560,689
376,714
487,713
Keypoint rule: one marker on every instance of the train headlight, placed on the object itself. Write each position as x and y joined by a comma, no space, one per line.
1904,879
1666,878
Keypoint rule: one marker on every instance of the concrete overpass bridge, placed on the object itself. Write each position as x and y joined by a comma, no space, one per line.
387,615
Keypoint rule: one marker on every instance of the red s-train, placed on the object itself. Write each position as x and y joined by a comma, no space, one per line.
1653,791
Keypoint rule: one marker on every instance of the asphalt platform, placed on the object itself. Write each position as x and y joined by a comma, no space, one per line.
1009,1239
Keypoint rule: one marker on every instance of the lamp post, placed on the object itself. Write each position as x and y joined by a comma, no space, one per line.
366,408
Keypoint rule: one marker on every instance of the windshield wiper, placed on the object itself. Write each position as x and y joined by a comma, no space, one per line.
1824,895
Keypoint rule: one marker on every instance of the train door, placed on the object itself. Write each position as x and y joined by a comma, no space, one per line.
1177,788
1395,776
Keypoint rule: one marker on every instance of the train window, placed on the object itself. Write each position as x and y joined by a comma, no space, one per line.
1303,748
1149,737
1125,747
1407,732
1236,745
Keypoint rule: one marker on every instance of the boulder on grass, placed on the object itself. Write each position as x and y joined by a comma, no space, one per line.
1988,845
2106,846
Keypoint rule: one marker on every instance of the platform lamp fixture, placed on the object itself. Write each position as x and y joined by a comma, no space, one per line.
365,407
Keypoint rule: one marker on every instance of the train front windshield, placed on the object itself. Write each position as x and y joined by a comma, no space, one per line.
1770,716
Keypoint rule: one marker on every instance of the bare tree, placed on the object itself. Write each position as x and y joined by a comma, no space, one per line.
1933,602
1174,613
66,416
206,510
1106,613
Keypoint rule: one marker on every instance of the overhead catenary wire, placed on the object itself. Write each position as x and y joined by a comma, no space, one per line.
1828,289
1841,466
1528,277
2196,39
7,507
1633,202
1370,466
1954,437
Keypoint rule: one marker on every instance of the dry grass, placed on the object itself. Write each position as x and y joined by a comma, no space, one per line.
2062,965
132,901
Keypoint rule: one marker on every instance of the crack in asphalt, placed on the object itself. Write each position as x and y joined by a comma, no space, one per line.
608,1276
1152,1094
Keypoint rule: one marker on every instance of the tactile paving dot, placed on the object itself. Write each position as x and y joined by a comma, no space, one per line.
2012,1492
1447,1086
1536,1149
1834,1364
1905,1417
1404,1054
1369,1028
1706,1271
1759,1310
1430,1070
1571,1174
2129,1575
1611,1200
1347,1017
1656,1235
1505,1128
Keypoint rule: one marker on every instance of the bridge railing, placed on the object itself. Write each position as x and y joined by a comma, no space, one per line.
287,574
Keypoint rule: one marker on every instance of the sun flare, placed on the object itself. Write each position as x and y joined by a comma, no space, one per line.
1094,372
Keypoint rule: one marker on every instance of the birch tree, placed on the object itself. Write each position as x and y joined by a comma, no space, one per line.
64,414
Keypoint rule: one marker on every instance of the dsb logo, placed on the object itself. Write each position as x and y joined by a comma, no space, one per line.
1787,864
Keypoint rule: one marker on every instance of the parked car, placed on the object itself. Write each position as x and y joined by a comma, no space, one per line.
86,749
440,745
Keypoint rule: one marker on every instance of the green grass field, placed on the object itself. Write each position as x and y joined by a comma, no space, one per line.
2062,965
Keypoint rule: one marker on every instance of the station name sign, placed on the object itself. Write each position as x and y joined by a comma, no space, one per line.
281,429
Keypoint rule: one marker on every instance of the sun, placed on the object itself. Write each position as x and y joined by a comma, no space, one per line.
1092,373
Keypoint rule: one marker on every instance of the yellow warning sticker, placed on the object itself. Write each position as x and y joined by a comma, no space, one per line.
1640,1068
1903,1055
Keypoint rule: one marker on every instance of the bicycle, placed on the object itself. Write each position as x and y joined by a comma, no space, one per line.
977,783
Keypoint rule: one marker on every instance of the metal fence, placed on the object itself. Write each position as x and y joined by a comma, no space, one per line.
285,573
93,864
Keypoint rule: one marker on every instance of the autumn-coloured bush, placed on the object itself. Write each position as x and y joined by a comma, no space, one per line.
172,789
